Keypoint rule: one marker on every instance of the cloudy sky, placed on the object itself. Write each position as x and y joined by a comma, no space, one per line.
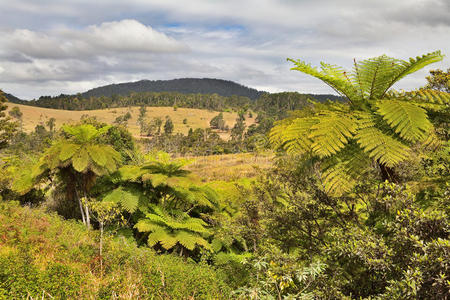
69,46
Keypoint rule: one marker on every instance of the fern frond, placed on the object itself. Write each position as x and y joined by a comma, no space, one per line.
333,76
331,133
130,173
155,179
68,150
129,199
374,75
432,142
168,241
408,120
425,96
97,154
342,172
144,225
293,136
80,161
186,239
403,68
156,236
381,147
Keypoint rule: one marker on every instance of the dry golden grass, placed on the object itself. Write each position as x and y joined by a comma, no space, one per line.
196,118
229,167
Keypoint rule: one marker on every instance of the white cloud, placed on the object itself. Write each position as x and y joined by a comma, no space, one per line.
245,41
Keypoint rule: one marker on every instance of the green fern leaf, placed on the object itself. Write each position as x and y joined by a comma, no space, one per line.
144,225
425,96
293,136
186,239
156,236
334,76
127,198
216,245
68,150
97,154
168,241
130,173
331,133
404,68
407,120
155,179
342,172
381,147
80,161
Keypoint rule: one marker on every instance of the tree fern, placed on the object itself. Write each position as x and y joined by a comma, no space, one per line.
377,125
80,156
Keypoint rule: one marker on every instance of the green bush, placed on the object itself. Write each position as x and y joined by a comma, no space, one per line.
42,253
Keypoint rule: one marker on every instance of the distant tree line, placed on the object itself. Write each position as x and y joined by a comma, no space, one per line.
272,104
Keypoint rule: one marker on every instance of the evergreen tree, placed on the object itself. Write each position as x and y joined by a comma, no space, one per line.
17,114
168,126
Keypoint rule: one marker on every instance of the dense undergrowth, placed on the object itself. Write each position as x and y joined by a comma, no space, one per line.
42,254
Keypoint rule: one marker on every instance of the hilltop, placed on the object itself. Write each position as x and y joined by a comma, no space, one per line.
221,87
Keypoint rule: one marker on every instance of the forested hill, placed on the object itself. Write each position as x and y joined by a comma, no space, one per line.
184,86
13,99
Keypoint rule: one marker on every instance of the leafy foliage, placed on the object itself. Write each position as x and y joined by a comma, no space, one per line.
7,128
384,124
170,229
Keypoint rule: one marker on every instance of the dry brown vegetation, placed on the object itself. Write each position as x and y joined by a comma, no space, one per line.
196,118
229,167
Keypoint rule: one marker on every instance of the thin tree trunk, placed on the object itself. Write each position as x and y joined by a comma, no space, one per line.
81,207
88,219
101,249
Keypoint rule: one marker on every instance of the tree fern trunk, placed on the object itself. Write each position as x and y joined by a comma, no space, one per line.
388,173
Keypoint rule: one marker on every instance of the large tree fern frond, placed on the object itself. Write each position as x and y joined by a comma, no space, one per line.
331,133
144,225
68,151
293,136
187,239
423,96
408,120
381,147
404,68
128,198
341,173
333,76
374,75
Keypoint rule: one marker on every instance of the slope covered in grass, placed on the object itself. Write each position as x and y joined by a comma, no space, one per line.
195,118
44,256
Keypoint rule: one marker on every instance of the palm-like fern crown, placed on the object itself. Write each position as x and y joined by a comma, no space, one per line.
376,124
81,151
164,182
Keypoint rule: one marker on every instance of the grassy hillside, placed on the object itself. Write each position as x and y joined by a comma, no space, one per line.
43,256
196,118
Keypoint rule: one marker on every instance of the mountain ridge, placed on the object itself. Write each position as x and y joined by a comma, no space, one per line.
221,87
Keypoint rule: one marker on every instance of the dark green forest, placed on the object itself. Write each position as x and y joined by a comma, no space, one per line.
355,204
